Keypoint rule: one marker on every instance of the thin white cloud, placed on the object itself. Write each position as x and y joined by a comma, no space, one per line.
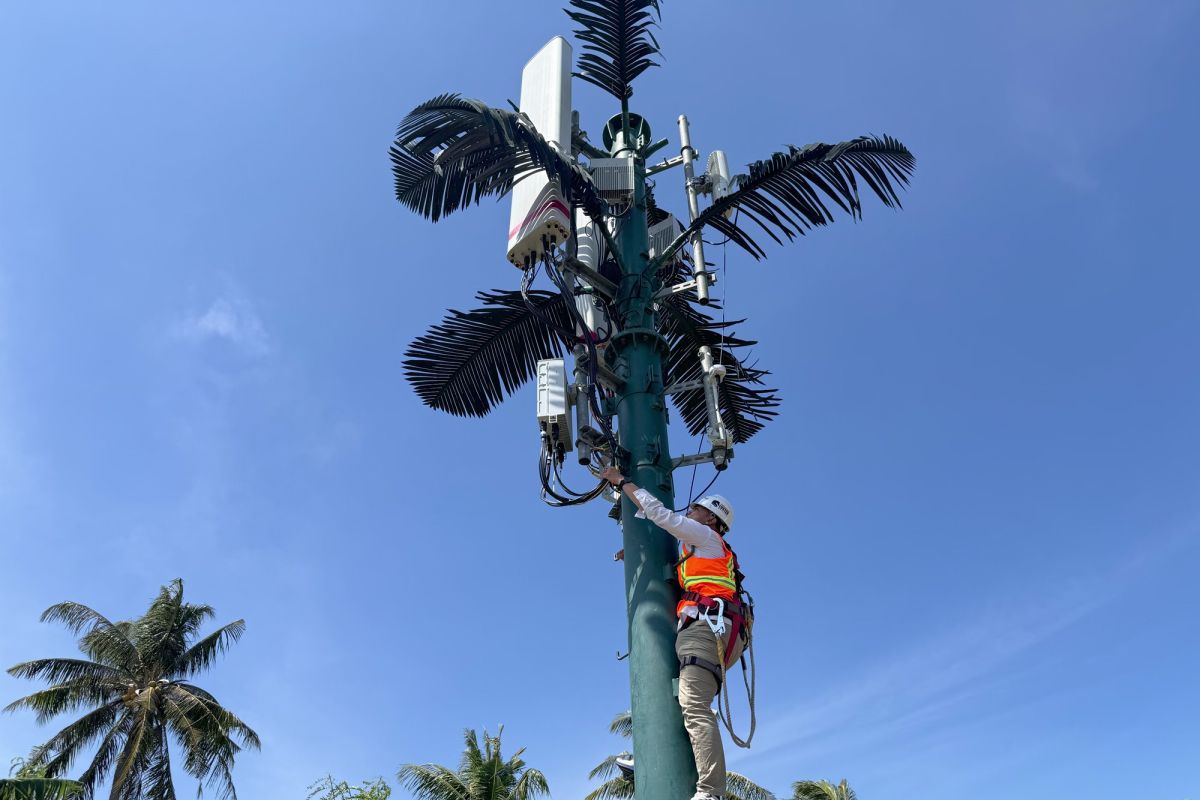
920,692
231,319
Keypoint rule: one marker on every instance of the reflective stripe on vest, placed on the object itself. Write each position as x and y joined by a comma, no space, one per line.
711,577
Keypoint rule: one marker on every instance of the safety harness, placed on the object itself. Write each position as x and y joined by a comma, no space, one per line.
714,611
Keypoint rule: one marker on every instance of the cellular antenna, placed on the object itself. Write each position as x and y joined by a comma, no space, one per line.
539,211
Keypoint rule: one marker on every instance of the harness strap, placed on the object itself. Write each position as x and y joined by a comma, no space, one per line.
705,601
715,669
732,611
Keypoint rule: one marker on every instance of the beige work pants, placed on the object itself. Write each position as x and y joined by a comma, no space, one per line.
697,688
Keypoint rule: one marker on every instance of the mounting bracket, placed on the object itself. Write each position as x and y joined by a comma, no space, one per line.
702,458
664,165
686,286
685,386
591,276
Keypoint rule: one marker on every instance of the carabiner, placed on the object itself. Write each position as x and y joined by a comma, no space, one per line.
718,627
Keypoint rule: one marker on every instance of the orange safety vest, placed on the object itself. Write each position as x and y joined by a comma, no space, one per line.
710,577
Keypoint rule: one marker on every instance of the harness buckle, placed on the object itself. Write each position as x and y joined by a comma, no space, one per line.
717,627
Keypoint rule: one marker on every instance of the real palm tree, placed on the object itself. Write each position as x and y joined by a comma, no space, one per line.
821,790
134,684
618,787
482,774
329,789
452,151
38,789
27,781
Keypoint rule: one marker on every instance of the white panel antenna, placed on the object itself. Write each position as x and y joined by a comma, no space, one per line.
591,253
663,233
720,182
538,208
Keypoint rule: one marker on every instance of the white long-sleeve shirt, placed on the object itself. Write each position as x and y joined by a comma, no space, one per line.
706,541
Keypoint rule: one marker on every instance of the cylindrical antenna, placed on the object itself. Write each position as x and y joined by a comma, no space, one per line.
718,435
699,271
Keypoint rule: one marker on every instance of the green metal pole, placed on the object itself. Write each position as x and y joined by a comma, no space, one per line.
665,769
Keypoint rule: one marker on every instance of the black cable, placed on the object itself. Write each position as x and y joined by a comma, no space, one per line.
545,460
555,275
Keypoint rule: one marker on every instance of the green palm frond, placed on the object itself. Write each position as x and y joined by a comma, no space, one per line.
71,696
329,789
105,756
101,641
432,782
158,770
452,151
822,790
137,701
739,787
201,655
789,193
472,360
746,403
38,789
482,774
618,788
622,724
532,784
618,42
607,768
61,749
63,670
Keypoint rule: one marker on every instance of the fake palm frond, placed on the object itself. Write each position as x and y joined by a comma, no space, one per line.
654,214
618,43
791,192
471,360
746,403
451,151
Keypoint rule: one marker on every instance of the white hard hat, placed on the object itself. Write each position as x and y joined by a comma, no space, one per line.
719,506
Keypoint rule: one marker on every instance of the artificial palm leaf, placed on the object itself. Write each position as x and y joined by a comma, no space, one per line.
654,214
452,151
746,403
790,192
617,41
472,360
821,790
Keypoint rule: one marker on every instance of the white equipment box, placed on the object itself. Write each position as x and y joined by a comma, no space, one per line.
538,208
553,406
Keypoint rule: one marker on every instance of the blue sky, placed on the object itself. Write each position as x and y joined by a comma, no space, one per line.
973,534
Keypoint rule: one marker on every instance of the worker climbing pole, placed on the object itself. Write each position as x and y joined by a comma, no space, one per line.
628,297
